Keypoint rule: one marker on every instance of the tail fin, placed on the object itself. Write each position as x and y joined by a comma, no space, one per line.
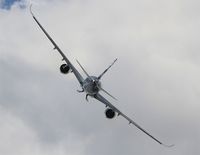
82,68
99,77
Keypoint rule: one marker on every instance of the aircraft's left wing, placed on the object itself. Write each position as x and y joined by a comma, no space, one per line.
76,73
107,103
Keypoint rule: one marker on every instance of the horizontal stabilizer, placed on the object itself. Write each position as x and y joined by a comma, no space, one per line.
107,93
82,68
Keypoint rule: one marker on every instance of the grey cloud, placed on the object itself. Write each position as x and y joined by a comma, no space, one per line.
155,78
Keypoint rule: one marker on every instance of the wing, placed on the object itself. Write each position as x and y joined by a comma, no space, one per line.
107,103
76,73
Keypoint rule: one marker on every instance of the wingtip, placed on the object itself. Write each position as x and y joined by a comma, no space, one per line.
30,8
168,145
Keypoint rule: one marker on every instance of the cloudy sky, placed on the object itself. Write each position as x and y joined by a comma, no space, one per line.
156,78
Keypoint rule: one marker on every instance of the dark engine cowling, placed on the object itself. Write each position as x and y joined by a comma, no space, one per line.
64,68
109,113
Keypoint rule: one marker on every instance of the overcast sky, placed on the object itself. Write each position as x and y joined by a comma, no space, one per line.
156,78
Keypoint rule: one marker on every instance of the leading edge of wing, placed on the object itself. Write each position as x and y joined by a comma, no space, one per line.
76,73
107,103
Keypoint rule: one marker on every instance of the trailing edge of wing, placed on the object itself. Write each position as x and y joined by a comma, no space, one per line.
76,73
107,103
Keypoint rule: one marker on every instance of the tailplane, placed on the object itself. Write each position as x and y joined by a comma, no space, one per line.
82,68
107,93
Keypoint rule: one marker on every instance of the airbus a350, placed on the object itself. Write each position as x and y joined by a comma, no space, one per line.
91,85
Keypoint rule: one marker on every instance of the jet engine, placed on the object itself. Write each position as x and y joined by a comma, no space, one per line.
109,113
64,68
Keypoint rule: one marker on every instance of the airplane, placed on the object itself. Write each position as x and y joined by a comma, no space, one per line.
92,84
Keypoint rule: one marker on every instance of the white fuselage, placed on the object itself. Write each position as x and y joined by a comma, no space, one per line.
91,85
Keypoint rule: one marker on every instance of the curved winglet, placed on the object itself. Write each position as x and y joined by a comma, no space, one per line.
168,145
30,8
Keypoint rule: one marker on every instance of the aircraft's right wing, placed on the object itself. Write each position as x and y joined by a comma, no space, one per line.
107,103
76,73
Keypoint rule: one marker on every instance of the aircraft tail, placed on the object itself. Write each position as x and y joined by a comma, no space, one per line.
82,68
107,93
100,76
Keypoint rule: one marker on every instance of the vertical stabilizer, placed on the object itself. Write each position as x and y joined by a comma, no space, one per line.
100,76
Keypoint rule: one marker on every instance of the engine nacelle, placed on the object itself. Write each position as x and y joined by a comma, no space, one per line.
109,113
64,68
